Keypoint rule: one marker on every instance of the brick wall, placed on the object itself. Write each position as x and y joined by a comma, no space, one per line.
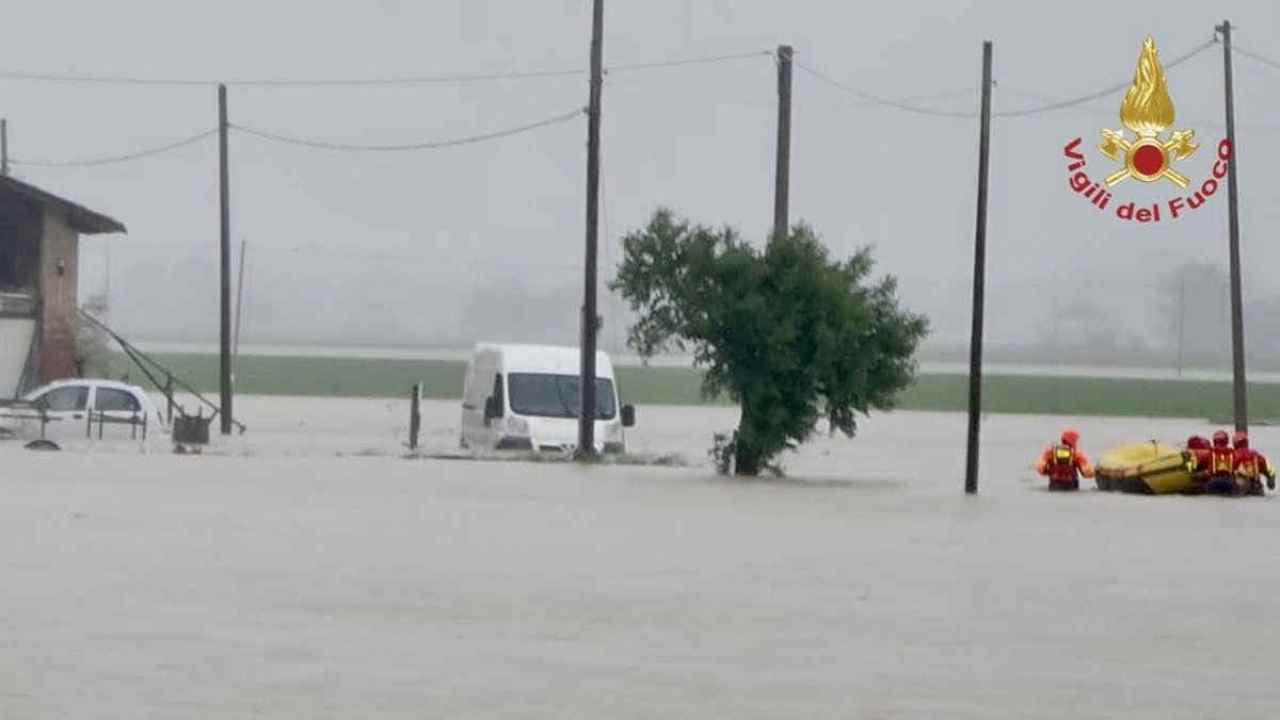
59,262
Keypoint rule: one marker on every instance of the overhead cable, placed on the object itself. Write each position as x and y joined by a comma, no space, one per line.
879,100
427,145
443,78
1274,64
687,61
1080,99
111,160
911,106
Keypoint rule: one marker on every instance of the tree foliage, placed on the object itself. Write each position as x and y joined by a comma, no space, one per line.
788,333
93,347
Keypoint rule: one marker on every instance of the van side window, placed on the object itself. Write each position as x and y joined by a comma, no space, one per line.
499,398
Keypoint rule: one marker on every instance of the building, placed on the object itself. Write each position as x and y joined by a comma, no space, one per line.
39,269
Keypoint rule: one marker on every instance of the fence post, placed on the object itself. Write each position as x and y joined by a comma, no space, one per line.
415,415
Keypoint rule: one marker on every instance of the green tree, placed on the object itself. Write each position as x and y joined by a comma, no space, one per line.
787,333
93,347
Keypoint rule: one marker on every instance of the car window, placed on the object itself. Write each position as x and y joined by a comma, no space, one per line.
64,399
113,400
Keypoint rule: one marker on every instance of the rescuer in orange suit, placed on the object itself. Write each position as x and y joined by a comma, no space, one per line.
1222,466
1200,463
1064,463
1250,467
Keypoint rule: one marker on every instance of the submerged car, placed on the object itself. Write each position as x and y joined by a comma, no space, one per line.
82,408
526,397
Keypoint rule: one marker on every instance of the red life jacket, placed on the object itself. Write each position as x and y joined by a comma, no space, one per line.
1246,462
1224,461
1062,464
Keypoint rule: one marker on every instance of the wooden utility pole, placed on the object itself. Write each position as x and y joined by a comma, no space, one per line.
4,146
979,279
224,196
1238,383
782,175
590,322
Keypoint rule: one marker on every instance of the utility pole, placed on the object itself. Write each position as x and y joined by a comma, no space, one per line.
782,175
4,147
979,279
590,322
224,194
1238,382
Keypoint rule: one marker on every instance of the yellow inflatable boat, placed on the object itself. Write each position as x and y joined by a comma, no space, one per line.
1150,468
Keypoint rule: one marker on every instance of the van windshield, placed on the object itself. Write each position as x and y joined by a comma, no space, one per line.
546,395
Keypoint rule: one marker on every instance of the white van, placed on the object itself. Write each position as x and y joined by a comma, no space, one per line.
525,397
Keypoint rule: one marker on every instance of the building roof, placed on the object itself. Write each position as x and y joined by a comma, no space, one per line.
79,218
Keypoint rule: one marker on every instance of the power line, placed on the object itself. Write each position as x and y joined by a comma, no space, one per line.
878,100
1255,56
428,145
1114,113
446,79
111,160
909,106
687,61
178,82
1080,99
98,79
438,79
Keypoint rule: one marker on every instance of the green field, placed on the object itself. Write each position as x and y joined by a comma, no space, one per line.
363,377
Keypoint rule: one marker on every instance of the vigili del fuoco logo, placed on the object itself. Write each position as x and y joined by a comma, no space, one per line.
1149,155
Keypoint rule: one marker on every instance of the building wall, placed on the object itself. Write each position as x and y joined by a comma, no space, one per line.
15,344
59,321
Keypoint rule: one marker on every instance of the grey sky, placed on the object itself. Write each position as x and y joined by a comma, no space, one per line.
412,247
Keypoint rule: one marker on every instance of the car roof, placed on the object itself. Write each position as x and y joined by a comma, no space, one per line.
115,384
558,359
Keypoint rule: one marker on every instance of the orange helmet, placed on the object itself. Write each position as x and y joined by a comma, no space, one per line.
1240,439
1070,437
1195,442
1220,439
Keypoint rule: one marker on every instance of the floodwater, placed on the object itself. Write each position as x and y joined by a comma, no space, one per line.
310,570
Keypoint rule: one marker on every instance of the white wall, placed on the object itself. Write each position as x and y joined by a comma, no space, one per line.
15,343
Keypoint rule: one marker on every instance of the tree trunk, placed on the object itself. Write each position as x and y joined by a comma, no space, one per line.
746,450
746,462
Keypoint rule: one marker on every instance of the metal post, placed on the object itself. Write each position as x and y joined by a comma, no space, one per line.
979,279
587,411
1238,382
782,175
415,415
4,146
225,264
